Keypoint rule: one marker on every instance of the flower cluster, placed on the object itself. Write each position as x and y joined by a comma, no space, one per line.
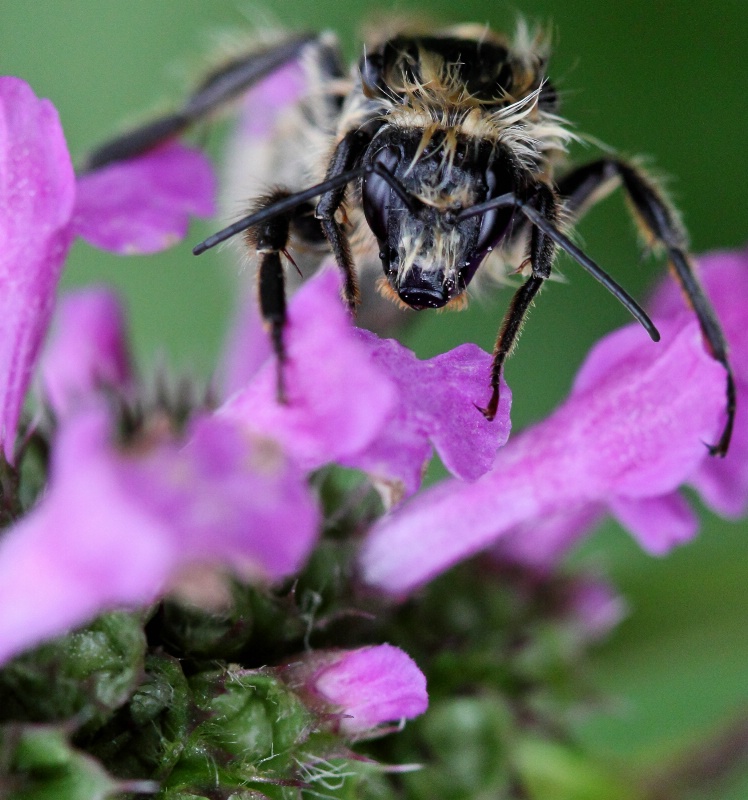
209,522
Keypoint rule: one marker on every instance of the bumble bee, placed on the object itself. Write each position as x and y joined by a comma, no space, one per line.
442,153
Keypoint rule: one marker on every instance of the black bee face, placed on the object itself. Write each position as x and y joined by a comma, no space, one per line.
428,255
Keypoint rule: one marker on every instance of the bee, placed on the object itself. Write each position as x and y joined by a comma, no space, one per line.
442,157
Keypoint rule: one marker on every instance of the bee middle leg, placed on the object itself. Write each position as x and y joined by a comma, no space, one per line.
542,251
347,154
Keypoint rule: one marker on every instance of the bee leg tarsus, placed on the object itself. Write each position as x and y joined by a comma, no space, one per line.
489,411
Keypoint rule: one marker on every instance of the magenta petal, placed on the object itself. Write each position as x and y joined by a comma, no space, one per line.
233,500
115,528
338,400
87,350
143,205
37,192
657,523
637,430
370,686
437,406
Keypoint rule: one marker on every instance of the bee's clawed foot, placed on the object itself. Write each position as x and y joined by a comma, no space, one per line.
489,412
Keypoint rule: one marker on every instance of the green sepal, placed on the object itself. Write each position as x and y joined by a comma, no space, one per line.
146,738
84,675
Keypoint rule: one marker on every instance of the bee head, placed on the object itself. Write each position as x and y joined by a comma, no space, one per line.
428,256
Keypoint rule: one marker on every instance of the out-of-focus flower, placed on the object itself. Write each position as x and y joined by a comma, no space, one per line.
116,527
338,399
595,607
633,430
368,402
37,195
136,206
360,689
87,350
119,524
144,205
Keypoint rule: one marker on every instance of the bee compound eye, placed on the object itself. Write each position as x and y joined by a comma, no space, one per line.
377,193
495,222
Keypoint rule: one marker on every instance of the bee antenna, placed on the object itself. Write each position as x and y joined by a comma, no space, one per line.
281,207
599,274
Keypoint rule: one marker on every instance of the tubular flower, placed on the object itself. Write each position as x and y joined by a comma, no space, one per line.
116,527
633,430
136,206
87,350
367,402
723,483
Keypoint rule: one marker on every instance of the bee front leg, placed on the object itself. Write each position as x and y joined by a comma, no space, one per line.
347,154
270,240
542,251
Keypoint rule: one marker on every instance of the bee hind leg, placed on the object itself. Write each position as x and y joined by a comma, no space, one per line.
658,221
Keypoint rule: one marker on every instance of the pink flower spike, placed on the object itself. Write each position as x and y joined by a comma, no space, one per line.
437,406
37,192
635,427
87,350
338,400
116,528
364,688
143,205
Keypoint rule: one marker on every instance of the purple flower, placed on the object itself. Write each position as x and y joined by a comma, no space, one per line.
367,402
337,399
37,195
144,205
117,527
134,206
436,406
632,431
87,350
361,688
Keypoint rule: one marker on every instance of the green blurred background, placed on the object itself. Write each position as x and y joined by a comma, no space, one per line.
664,79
